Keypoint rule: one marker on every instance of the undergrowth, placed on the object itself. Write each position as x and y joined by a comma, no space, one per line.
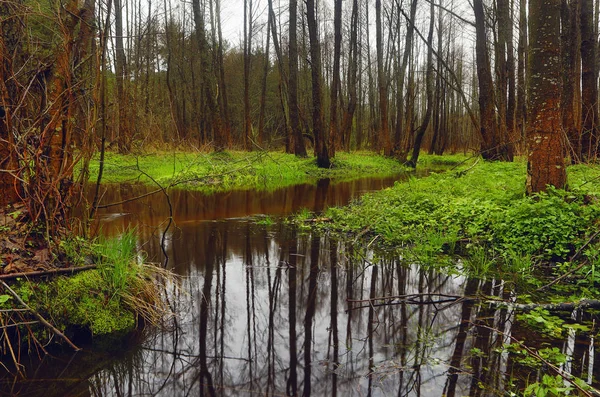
481,215
108,300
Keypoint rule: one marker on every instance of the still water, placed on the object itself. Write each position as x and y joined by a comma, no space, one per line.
265,310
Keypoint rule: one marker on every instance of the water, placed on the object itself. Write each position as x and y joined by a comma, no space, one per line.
263,310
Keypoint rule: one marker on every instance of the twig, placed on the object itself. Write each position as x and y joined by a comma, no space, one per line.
39,316
47,272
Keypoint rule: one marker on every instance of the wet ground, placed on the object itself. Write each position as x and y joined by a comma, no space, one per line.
264,310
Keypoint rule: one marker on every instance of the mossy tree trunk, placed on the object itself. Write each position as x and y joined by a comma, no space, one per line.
545,161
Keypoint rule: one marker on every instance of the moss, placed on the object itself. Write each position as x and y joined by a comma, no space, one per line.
82,301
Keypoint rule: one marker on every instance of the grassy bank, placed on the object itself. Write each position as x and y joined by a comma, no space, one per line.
480,215
242,170
109,300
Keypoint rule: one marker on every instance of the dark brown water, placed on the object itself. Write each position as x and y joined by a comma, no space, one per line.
264,310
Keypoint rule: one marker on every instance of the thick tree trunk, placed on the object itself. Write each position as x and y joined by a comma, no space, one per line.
545,162
296,133
321,151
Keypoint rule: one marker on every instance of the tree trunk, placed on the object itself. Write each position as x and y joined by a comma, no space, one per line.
384,142
10,32
589,93
429,93
490,144
296,133
545,163
335,82
352,75
571,41
321,151
521,105
398,147
247,60
214,113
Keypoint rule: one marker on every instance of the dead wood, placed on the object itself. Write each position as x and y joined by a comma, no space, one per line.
68,270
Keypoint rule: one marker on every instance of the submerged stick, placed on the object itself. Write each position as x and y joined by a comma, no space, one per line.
51,327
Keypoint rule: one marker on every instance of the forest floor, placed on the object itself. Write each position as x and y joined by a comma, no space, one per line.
242,170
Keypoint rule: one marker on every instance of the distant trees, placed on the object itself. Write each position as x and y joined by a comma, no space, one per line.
386,75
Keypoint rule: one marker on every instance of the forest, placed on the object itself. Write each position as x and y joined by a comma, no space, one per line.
424,171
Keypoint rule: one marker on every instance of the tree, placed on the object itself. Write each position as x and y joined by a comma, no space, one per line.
488,129
299,148
545,161
384,141
589,83
335,81
321,151
428,92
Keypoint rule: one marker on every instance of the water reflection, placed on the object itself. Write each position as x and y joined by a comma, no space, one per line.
263,310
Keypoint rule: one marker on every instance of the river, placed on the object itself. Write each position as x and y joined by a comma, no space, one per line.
263,309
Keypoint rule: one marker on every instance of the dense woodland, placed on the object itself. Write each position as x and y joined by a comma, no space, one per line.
395,76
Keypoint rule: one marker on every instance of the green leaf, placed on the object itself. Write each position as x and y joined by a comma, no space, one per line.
4,298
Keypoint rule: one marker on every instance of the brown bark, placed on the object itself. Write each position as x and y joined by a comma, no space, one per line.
384,142
321,150
571,41
521,105
589,93
220,138
352,74
429,93
296,133
398,147
335,83
503,53
545,163
490,144
9,36
247,61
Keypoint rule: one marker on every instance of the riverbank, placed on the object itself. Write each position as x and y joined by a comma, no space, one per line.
477,220
212,172
78,291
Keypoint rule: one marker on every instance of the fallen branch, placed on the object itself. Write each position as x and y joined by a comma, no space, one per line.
47,272
51,327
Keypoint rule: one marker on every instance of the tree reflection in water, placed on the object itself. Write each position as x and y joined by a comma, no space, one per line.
264,310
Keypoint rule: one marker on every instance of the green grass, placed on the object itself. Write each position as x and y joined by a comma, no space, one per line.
105,301
242,170
482,214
